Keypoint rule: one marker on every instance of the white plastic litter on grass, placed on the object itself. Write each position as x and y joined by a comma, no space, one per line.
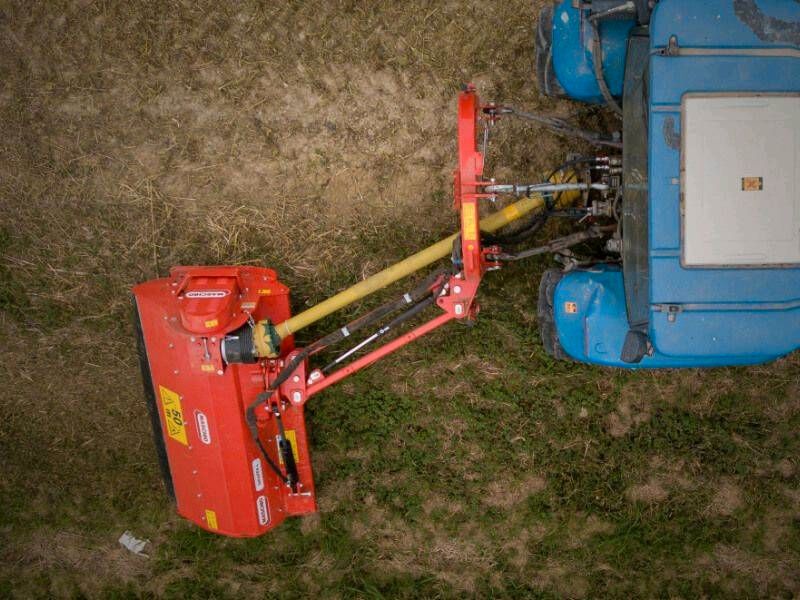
135,545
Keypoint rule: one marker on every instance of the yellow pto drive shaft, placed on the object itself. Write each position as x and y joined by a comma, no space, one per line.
267,336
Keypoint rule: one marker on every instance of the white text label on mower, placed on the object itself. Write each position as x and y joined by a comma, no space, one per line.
263,510
203,432
207,293
258,474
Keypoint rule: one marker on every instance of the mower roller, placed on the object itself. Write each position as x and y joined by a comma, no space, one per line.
685,250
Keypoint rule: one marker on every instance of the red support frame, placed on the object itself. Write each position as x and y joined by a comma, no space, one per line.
458,298
376,355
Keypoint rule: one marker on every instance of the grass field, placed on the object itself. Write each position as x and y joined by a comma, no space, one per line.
318,138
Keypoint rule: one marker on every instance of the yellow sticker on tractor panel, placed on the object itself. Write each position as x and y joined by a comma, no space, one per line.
470,223
291,435
752,184
211,519
173,415
212,323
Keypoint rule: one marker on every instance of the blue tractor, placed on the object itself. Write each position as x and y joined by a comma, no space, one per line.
709,96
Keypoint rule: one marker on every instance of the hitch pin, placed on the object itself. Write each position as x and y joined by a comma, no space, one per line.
206,353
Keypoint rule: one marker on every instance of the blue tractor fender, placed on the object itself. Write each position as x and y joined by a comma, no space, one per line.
565,60
590,319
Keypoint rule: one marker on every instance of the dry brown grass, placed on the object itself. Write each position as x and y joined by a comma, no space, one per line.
316,138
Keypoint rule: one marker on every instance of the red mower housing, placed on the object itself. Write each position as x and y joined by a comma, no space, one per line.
209,459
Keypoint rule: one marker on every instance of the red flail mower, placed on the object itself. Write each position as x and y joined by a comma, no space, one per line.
225,385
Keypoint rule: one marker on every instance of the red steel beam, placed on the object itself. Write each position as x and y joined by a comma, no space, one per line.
375,355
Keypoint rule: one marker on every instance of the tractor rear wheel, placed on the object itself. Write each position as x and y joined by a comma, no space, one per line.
546,314
545,72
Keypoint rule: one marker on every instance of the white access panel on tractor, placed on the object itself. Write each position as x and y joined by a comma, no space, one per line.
740,167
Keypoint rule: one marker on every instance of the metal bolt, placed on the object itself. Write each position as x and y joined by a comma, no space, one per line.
175,372
192,339
219,372
171,345
297,396
459,308
296,378
457,289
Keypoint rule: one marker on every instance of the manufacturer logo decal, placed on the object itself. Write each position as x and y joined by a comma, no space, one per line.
571,308
263,510
204,294
203,431
258,475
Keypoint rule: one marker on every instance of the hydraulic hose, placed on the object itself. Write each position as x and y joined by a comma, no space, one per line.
599,75
267,336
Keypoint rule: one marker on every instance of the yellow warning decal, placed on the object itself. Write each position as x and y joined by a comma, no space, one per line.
752,184
211,519
264,292
470,223
211,324
291,435
207,368
173,415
